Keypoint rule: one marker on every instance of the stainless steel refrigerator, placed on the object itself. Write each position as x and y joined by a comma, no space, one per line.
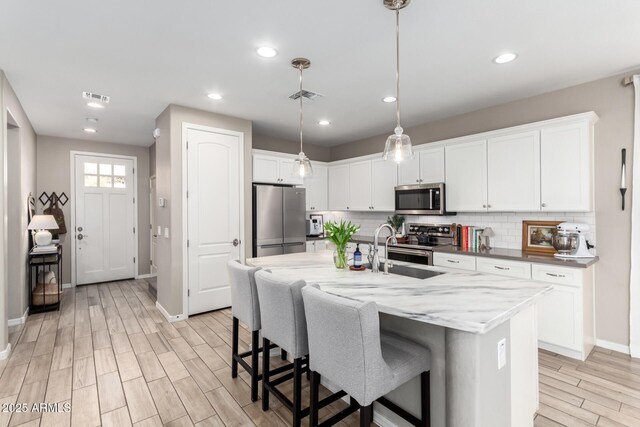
278,220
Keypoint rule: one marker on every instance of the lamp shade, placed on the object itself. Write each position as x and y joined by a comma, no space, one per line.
302,166
43,222
398,147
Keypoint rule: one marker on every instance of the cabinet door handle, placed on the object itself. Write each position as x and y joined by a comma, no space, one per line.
544,205
555,275
501,268
417,180
484,206
453,261
488,206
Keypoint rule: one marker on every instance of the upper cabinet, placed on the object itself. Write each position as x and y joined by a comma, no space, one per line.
274,170
427,166
566,159
317,188
513,172
339,187
383,184
466,176
367,185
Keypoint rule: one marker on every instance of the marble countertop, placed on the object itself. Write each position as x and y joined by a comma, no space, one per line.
466,301
517,255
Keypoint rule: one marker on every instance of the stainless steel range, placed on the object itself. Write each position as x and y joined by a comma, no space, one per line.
421,239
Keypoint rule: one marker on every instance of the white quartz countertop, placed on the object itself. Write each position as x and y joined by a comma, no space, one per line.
467,301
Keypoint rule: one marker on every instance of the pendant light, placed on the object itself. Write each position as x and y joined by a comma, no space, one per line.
301,165
398,147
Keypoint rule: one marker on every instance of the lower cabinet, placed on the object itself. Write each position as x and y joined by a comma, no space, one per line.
565,314
316,245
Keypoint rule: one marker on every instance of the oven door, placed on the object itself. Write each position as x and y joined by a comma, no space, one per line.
423,199
416,256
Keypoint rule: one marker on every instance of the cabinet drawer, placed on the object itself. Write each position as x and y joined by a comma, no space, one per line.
517,269
559,275
463,262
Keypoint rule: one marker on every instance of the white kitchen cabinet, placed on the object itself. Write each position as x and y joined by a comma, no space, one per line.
513,172
360,186
566,158
466,176
383,182
339,187
427,166
501,267
316,245
311,246
462,262
274,170
317,188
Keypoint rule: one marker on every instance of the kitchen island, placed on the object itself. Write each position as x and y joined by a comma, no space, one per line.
481,330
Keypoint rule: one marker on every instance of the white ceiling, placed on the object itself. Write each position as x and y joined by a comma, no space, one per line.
147,54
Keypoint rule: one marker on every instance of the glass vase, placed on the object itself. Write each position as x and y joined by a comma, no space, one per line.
340,257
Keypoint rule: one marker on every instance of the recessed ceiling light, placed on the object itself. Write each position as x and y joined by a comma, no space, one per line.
90,130
94,105
215,96
92,120
266,51
324,122
505,57
389,99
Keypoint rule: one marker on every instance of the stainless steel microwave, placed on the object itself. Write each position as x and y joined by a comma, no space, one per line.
421,199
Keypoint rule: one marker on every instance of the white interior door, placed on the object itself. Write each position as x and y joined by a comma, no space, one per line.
153,197
104,219
213,206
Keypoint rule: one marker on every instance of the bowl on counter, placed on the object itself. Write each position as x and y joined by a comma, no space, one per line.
565,243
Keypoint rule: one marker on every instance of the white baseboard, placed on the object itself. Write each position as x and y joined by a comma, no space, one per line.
67,285
167,316
19,320
613,346
5,353
145,276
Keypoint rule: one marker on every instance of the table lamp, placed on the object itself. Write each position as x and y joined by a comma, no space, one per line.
43,223
487,233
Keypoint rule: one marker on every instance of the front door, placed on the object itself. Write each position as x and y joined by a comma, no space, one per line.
104,219
213,206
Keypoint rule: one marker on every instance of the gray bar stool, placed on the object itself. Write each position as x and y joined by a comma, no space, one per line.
283,323
245,307
349,350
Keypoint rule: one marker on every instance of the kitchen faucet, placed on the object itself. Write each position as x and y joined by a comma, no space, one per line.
375,261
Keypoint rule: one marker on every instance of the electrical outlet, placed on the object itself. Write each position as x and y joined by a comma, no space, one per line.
502,353
166,232
159,231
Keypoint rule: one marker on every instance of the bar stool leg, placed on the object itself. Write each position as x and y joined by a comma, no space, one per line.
265,375
366,415
255,344
283,354
315,399
297,392
234,349
425,394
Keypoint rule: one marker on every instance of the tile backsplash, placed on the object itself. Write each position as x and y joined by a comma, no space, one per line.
507,226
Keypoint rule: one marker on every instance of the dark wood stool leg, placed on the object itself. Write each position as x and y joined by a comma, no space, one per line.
308,369
315,398
283,354
265,376
255,345
297,392
425,394
366,415
234,349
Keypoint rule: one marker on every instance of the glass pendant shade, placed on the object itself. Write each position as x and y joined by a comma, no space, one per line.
398,147
302,166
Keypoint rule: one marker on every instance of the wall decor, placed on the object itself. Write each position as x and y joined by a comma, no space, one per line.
537,236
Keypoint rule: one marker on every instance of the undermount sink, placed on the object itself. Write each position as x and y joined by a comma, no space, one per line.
403,270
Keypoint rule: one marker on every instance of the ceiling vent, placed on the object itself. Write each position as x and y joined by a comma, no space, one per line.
95,97
307,95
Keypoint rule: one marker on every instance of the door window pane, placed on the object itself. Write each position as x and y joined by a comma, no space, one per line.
119,170
105,181
90,180
119,182
105,169
91,168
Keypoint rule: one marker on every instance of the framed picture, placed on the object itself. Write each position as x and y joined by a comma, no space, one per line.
537,236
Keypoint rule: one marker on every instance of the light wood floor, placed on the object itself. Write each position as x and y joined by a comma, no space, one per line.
112,355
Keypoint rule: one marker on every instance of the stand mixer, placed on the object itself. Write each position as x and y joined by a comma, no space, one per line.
570,242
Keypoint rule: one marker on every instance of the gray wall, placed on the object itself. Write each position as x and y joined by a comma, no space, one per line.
21,154
54,174
314,152
614,105
152,159
169,185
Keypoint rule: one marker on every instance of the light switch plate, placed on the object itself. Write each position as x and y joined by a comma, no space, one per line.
166,232
502,353
159,233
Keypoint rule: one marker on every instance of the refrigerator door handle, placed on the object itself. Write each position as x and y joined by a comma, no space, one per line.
294,244
271,245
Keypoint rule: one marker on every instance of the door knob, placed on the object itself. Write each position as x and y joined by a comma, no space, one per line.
80,228
235,242
82,236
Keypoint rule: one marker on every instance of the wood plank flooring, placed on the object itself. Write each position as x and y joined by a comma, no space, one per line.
112,356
